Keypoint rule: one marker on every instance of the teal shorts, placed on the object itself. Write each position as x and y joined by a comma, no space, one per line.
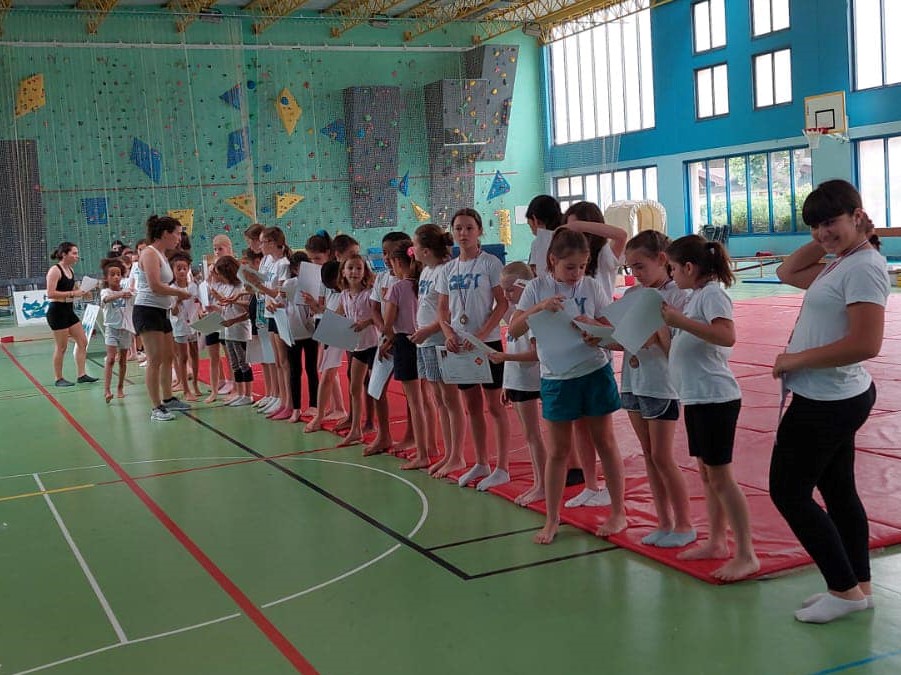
591,395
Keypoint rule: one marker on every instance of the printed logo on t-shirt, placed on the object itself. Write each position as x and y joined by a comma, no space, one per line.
463,281
425,286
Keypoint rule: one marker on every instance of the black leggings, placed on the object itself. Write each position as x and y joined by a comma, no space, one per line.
815,448
309,349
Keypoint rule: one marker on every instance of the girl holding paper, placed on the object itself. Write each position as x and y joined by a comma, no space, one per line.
303,355
236,322
219,382
183,314
578,391
699,365
399,325
470,298
274,272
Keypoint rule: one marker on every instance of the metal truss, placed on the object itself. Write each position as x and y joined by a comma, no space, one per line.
437,15
97,11
188,9
351,13
272,12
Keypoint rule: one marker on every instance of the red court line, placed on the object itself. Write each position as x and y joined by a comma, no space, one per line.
273,634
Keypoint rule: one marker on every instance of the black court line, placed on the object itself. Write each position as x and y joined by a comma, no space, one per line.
487,537
516,568
409,543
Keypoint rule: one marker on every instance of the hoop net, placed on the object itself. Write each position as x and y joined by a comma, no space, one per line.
813,135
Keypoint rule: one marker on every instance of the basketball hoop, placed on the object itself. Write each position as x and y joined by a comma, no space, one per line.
813,136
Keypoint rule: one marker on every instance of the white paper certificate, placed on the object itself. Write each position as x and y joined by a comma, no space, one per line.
337,331
211,323
203,292
284,328
470,367
309,280
635,318
474,341
88,284
381,373
249,276
559,342
603,332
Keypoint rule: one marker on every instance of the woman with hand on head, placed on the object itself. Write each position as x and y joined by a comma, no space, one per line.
61,316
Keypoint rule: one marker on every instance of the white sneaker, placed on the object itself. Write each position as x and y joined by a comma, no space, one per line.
226,387
263,402
241,400
272,407
160,414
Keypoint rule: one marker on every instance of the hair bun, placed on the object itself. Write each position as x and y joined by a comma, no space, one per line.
321,233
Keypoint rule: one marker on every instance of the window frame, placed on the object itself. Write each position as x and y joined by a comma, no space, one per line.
882,60
598,176
712,67
771,31
772,53
797,227
886,230
694,28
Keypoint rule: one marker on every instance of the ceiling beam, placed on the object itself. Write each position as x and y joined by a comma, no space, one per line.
272,11
188,11
351,13
567,23
440,15
97,11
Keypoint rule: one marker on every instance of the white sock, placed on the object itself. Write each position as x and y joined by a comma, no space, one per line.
477,471
598,498
652,538
816,597
579,499
497,477
273,406
263,402
828,608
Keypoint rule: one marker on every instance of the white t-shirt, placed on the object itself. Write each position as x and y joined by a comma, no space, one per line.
861,277
589,300
239,332
608,266
114,310
272,272
469,286
538,251
700,370
187,313
383,281
427,312
652,378
332,299
521,375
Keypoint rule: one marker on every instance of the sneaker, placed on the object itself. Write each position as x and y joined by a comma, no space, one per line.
175,404
86,379
160,414
226,387
241,400
63,382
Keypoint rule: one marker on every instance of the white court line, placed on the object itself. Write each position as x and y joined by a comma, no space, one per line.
105,466
84,566
425,511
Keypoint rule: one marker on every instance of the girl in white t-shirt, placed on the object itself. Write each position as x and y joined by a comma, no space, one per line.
699,365
432,248
274,272
543,215
234,302
840,325
470,298
578,388
219,381
522,382
648,395
117,338
184,313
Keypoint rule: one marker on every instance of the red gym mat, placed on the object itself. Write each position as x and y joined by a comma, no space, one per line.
763,326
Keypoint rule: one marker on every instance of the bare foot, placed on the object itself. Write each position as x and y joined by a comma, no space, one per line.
343,425
211,398
449,467
377,447
198,393
310,412
415,463
706,551
437,466
295,417
546,534
120,393
176,386
190,397
313,425
737,568
335,415
529,496
351,439
405,445
108,395
613,525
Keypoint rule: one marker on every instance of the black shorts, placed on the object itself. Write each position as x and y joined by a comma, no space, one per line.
711,431
404,359
151,319
367,356
272,326
497,372
61,315
519,396
211,339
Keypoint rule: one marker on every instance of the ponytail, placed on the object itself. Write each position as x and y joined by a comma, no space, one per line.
710,257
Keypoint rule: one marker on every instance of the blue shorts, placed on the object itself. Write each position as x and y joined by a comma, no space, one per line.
651,408
118,338
591,395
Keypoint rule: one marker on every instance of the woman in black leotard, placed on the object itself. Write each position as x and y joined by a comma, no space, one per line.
61,316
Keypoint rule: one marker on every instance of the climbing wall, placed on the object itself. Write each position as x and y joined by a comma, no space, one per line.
496,65
23,249
371,117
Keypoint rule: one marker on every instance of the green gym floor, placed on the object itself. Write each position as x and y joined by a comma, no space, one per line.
221,543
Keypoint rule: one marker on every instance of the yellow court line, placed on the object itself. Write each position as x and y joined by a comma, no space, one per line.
40,493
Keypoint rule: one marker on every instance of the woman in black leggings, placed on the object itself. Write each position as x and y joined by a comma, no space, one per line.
840,325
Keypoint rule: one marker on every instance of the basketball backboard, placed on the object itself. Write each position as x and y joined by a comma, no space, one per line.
826,111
